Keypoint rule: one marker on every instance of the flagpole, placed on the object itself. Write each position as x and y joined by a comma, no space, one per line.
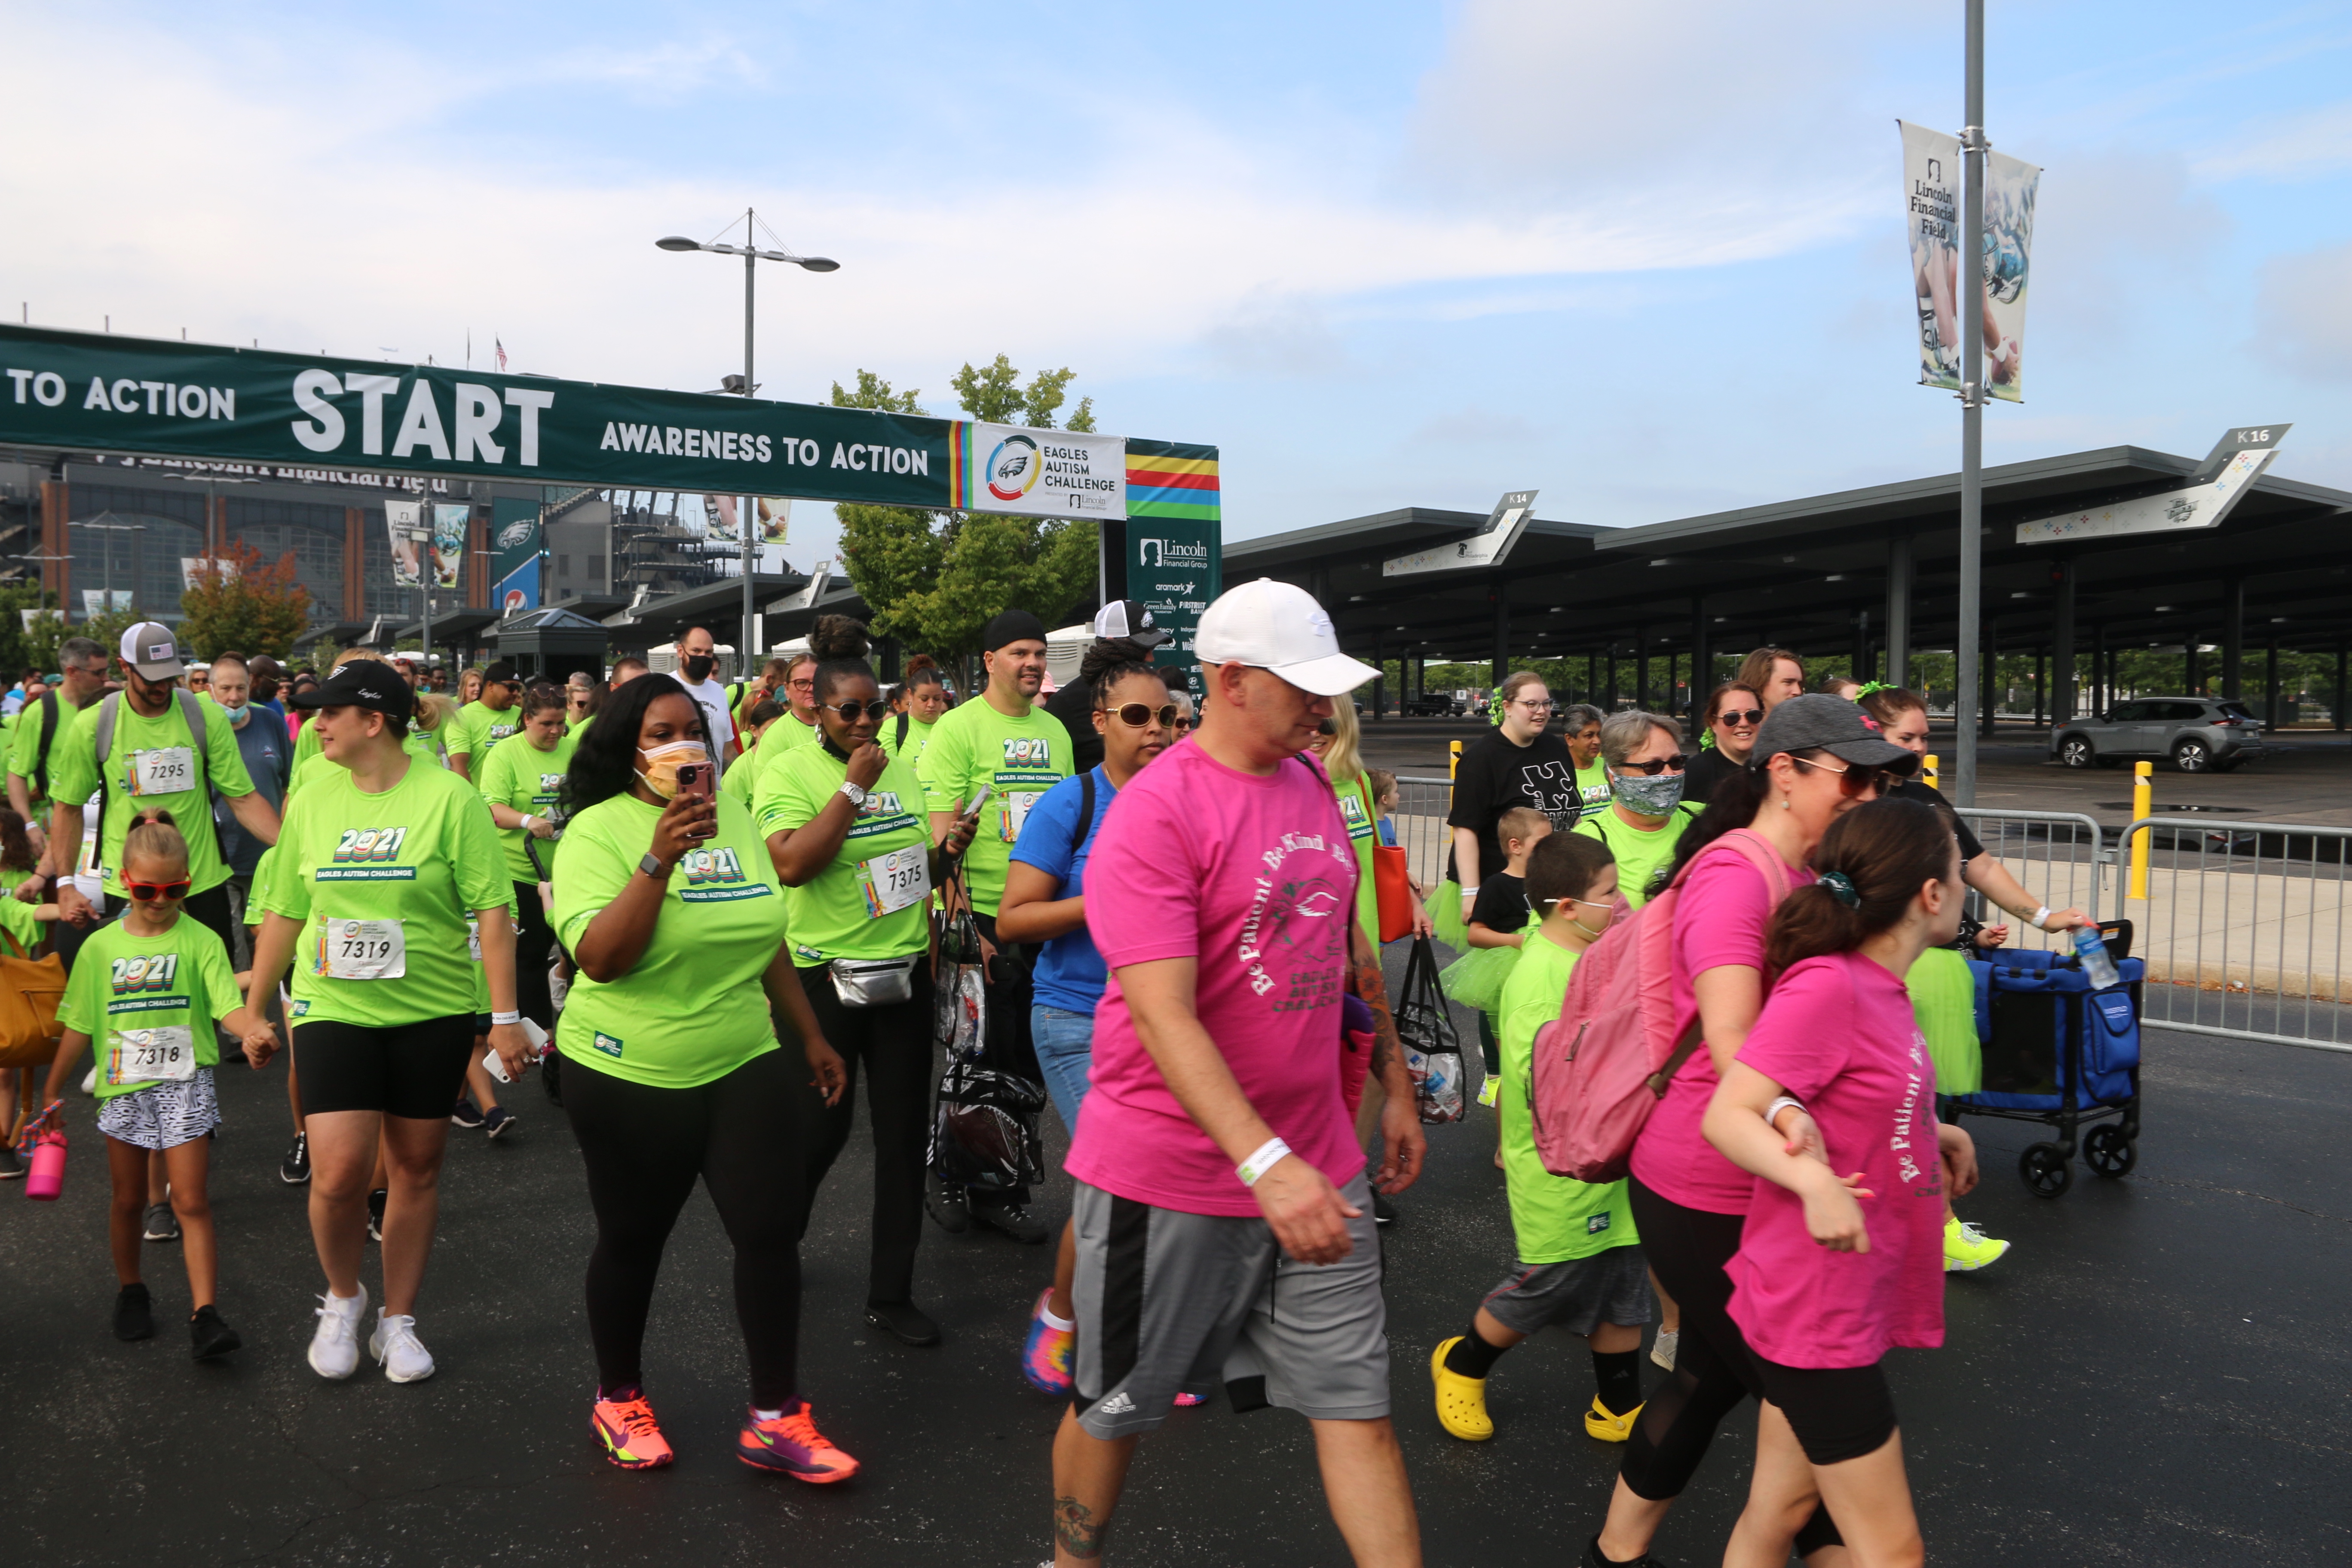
1969,688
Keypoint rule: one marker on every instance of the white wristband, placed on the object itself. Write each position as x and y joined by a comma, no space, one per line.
1260,1162
2040,916
497,1018
1470,889
1783,1103
527,820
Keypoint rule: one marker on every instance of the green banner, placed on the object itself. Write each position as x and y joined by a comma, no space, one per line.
1175,540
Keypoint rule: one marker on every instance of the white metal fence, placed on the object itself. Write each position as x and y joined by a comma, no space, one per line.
1420,818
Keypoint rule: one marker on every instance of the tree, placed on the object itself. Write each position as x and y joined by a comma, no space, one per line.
48,632
235,602
934,580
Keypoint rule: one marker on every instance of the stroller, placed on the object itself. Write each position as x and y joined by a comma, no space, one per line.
2061,1054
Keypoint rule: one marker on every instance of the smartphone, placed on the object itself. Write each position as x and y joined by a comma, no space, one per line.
696,778
980,800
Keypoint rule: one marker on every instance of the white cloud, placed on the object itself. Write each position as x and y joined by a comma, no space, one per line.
2306,313
2308,145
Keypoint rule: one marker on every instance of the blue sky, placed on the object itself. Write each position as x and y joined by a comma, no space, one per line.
1646,259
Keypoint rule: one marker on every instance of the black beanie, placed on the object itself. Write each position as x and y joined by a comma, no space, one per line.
1011,626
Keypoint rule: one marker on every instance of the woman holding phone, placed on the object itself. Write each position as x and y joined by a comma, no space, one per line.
672,1066
846,831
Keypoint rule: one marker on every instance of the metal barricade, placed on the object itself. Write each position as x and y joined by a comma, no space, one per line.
2243,930
2059,856
1420,818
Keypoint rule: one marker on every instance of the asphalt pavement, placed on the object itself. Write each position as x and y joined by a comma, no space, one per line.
2159,1372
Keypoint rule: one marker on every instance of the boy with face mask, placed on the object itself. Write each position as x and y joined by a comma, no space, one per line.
1646,814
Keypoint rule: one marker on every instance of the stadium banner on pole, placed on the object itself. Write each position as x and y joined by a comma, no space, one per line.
449,541
515,543
1175,564
403,520
519,590
306,414
1931,188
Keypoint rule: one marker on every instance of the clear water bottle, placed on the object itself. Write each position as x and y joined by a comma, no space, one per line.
2091,949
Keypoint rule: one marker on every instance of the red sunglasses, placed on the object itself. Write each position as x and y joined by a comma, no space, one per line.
144,891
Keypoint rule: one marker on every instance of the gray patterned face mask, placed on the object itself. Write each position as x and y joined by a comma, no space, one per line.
1647,795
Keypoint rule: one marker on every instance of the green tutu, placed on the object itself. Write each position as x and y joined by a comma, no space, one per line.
1475,979
1943,999
1445,915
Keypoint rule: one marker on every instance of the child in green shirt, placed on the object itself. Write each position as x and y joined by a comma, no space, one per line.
1580,1265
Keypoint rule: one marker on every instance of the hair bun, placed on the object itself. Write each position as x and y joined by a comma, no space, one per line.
838,636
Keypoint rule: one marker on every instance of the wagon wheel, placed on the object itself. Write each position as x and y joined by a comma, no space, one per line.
2045,1168
2108,1152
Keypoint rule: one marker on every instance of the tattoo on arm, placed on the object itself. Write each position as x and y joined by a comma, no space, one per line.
1373,989
1076,1530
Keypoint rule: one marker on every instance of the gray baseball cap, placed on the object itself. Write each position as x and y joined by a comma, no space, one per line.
1819,722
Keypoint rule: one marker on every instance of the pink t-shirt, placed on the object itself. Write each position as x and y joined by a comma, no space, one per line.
1725,907
1839,1034
1255,877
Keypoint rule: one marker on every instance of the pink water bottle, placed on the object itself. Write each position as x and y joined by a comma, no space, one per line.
47,1177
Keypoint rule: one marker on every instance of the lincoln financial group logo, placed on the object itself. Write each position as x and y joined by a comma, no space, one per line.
1184,554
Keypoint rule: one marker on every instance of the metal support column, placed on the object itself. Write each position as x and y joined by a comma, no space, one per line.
1861,667
2271,689
2233,636
1702,658
2335,701
1642,667
1502,655
1898,610
2061,642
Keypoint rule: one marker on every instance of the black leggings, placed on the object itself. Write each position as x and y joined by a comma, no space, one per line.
534,940
894,1045
1714,1369
644,1148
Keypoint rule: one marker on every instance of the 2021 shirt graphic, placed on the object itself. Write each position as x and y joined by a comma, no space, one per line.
364,855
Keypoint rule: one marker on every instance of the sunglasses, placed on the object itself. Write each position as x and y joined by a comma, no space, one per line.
145,891
1181,724
877,709
1140,715
1672,764
1328,727
1740,716
1853,782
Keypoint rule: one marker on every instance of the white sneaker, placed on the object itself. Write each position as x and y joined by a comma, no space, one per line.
335,1342
1663,1352
395,1344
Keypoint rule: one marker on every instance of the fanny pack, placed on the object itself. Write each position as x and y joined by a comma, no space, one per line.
872,982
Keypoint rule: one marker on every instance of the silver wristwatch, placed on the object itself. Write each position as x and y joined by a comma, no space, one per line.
856,793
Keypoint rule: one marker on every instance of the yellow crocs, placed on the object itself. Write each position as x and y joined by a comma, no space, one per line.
1610,1428
1461,1401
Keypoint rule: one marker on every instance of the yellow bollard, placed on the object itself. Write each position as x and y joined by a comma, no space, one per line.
1452,759
1930,771
2143,805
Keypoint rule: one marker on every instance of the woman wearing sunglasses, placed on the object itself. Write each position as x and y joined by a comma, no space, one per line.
1647,815
1814,759
1728,734
845,825
1044,901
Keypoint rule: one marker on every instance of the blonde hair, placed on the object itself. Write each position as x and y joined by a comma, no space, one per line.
153,834
436,705
1343,759
1519,825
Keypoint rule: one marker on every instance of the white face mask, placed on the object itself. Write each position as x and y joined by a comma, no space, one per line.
238,714
662,762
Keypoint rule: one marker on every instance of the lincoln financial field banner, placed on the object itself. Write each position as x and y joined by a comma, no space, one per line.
104,393
1931,187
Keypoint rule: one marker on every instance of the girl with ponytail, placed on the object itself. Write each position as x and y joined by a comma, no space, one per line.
1840,1256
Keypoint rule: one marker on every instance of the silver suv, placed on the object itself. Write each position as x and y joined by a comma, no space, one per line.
2201,734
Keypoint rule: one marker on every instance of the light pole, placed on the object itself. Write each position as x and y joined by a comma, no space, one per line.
753,255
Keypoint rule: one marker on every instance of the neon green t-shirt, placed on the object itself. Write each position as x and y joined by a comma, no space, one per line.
16,920
123,985
919,735
741,779
788,734
833,914
410,866
1591,789
526,779
1364,837
422,745
692,1009
477,729
25,748
1555,1218
159,750
1020,758
1643,856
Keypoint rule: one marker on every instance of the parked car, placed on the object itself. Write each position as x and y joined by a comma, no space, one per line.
2201,734
1431,705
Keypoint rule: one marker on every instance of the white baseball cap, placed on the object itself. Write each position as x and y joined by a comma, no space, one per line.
1127,618
149,648
1279,627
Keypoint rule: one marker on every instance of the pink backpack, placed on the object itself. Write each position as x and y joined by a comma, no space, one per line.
1601,1067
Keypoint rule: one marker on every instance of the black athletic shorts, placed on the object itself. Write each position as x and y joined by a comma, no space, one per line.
414,1070
1838,1413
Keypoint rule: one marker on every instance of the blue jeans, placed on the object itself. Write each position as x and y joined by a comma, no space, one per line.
1066,1050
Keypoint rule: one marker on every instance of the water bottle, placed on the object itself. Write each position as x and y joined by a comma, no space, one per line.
2091,949
47,1177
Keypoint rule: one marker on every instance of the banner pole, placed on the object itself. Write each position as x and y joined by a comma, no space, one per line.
750,267
1969,687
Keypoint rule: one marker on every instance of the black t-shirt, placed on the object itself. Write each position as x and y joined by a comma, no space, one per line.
1920,790
1502,903
1496,776
1707,769
1073,705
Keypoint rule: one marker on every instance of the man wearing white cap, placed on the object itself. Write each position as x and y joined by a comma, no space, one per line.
1224,1231
153,744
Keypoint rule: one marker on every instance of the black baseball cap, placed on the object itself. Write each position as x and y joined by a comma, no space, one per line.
362,683
1010,626
1818,722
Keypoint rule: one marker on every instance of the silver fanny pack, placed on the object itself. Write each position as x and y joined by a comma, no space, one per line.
872,982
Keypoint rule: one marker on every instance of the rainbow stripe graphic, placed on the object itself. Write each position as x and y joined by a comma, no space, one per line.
1172,480
960,465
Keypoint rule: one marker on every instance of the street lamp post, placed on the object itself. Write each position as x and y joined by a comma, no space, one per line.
753,255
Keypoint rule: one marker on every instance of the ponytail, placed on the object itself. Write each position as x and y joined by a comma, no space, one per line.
153,833
1873,862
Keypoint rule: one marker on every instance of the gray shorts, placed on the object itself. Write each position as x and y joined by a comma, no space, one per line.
162,1115
1579,1295
1170,1302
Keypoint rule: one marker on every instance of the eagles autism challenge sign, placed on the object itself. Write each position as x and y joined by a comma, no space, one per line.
100,391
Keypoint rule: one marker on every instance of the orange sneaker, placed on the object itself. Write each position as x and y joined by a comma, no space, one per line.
792,1444
631,1435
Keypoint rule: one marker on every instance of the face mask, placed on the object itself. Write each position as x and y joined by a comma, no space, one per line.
660,772
238,714
698,667
1647,795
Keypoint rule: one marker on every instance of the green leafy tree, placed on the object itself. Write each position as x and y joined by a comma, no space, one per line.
236,602
18,649
48,631
933,579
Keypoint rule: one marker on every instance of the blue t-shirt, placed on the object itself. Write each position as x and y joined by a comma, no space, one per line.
1069,974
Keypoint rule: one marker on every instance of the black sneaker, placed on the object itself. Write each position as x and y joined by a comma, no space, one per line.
11,1167
1014,1220
210,1336
163,1225
1383,1211
377,1200
133,1319
551,1076
903,1321
463,1115
294,1168
497,1121
949,1207
1592,1558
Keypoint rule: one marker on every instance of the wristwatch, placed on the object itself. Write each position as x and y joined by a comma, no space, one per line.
652,867
857,793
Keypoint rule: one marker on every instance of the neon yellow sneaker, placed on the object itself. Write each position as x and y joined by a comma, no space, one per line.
1608,1428
1967,1249
1461,1401
1490,1092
